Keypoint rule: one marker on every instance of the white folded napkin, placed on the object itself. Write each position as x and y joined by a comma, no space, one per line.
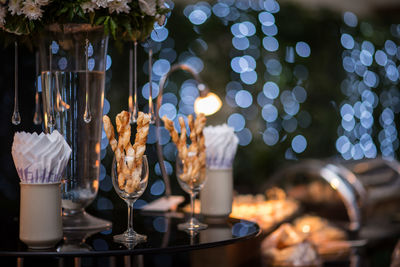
40,158
221,145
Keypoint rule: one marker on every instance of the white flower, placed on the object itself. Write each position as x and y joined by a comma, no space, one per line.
14,6
31,10
148,7
101,3
119,6
89,7
3,12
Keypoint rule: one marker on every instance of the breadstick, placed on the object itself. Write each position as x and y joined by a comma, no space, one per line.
169,125
182,138
109,130
132,185
191,127
123,129
143,124
193,146
121,180
121,120
119,157
130,157
201,122
182,148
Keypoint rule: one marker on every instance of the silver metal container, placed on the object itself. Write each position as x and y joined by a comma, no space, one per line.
356,192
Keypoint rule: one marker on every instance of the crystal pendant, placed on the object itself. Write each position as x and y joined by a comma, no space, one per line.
133,105
87,116
16,117
151,107
37,117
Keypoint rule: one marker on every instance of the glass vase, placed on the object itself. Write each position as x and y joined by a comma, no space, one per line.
72,63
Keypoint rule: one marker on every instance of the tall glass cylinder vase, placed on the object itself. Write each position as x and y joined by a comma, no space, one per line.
73,59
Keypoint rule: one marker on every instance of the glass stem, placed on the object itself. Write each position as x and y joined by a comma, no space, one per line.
192,198
130,218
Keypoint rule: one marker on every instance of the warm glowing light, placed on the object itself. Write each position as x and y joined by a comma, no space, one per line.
95,185
305,229
97,148
208,104
335,183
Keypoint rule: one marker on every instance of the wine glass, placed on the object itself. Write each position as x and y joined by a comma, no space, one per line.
130,196
191,179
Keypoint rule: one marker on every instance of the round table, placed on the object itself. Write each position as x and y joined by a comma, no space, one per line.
161,230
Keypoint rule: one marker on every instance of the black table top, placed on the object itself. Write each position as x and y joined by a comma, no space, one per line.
161,230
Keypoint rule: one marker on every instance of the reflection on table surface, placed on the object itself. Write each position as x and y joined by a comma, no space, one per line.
161,230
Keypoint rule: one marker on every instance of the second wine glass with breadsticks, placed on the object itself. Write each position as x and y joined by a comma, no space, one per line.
190,162
191,182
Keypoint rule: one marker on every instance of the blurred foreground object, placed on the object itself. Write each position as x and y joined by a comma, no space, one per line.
396,256
351,191
288,247
266,212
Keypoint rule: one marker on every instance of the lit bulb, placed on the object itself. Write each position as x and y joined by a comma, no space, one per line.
208,104
306,228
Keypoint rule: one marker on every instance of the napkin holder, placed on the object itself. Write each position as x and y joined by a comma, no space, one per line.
217,195
40,225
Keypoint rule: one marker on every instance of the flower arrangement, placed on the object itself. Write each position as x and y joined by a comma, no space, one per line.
123,19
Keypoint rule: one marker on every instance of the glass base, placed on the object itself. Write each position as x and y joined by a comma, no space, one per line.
75,240
130,238
192,225
83,221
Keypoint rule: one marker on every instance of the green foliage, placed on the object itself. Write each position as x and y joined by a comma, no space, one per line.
135,25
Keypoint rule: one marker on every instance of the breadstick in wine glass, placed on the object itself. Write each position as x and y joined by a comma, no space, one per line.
109,130
169,125
182,147
143,124
123,129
